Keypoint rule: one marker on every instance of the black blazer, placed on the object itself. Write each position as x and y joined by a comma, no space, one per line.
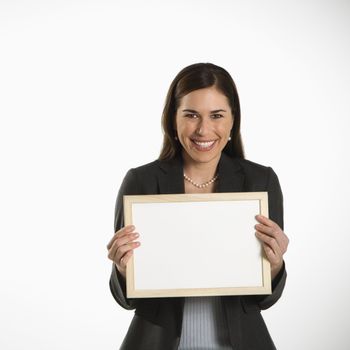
158,321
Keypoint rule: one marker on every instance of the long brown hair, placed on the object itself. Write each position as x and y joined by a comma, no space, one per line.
194,77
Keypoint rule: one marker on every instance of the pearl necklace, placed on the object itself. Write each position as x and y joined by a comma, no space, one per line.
205,184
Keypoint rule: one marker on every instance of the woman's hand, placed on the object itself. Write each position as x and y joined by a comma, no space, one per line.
121,247
274,240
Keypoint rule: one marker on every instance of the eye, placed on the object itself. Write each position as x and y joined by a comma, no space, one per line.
191,115
216,116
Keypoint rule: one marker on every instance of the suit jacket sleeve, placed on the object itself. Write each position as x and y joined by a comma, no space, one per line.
275,214
117,282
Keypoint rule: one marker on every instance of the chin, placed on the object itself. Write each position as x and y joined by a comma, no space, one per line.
203,158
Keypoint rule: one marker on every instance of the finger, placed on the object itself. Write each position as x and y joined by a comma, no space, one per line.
121,251
120,233
125,259
271,231
128,238
271,242
117,250
269,252
123,254
284,242
265,220
276,261
275,232
125,240
270,255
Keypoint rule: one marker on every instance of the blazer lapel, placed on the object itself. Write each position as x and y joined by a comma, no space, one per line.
170,177
231,176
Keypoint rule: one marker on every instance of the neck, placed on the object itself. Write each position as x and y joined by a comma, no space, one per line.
200,172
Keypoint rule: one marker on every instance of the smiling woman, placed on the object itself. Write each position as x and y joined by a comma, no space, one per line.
202,131
202,153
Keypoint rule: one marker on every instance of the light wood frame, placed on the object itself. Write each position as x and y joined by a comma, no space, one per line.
263,287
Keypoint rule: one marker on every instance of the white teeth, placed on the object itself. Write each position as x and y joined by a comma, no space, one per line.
204,144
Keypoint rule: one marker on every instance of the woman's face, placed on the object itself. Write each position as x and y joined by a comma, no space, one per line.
203,124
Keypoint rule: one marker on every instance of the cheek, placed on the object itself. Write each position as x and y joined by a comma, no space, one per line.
184,137
184,129
231,124
225,130
179,125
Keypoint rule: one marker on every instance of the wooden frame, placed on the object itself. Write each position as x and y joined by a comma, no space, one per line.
197,245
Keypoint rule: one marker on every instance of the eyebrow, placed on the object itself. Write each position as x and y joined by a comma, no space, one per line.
194,111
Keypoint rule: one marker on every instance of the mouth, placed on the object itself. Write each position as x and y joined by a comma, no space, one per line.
203,145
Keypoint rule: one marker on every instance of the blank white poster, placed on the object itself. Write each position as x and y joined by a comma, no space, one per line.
197,245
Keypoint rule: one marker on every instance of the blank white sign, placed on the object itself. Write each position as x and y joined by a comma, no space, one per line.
195,247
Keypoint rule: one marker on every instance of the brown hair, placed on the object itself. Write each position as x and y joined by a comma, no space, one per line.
194,77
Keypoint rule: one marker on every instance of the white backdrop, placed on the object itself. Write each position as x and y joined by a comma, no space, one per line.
82,87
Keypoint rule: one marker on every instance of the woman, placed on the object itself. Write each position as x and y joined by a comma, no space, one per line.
202,153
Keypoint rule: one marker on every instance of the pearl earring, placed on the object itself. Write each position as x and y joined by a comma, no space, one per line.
229,138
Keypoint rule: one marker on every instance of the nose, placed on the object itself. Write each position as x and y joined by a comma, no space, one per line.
203,126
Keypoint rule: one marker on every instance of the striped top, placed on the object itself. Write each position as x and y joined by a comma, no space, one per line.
204,325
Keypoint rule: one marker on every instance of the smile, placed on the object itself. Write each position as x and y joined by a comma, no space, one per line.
203,145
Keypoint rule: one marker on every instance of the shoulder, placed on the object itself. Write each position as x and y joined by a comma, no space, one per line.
249,168
142,171
260,177
157,166
146,169
252,168
248,164
257,176
142,179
